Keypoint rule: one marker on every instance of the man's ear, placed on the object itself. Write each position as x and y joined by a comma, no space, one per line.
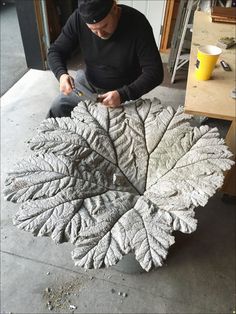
114,7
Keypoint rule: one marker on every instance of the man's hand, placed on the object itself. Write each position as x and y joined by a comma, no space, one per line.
66,84
110,99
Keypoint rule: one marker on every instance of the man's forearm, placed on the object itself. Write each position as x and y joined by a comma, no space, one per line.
144,83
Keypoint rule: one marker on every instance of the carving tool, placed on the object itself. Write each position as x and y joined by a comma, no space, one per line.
225,65
83,91
233,93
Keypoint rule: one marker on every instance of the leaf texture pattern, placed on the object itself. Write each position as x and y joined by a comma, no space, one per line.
112,181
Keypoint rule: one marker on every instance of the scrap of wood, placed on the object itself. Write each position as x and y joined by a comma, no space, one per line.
223,15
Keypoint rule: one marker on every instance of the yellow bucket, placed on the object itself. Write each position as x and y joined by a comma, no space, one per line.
207,57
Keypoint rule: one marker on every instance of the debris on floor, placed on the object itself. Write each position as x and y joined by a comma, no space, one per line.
59,297
120,293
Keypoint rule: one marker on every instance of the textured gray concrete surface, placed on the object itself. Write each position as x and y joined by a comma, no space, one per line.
199,273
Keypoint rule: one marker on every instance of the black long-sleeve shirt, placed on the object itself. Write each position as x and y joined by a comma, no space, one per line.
129,61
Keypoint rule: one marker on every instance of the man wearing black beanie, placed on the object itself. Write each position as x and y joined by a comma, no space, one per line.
118,46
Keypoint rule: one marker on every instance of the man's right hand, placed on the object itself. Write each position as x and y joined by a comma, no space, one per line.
66,84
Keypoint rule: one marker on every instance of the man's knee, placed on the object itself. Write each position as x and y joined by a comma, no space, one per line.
80,77
62,106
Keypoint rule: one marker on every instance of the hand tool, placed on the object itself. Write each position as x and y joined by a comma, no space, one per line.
83,91
225,65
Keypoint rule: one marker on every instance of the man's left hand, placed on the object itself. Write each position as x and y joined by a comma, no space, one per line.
110,99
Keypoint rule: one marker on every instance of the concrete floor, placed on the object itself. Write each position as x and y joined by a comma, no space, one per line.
199,273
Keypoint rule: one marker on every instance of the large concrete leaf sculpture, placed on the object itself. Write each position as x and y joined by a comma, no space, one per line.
113,181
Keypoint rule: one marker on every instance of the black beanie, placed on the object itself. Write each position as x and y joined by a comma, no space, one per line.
93,11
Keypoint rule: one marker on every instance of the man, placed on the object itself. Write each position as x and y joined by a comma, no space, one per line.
121,57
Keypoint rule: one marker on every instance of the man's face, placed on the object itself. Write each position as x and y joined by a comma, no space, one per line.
106,27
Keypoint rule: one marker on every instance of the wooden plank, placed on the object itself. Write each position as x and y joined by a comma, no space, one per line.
167,25
173,21
220,11
177,34
53,20
221,19
229,186
231,137
39,22
224,15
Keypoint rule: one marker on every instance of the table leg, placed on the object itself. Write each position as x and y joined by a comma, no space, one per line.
229,186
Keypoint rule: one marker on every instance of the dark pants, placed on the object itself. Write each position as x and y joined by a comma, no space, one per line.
64,104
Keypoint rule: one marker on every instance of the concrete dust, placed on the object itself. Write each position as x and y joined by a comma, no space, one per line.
63,296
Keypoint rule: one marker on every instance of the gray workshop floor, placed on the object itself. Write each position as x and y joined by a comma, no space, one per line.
199,274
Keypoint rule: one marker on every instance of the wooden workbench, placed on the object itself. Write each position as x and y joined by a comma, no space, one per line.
212,98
